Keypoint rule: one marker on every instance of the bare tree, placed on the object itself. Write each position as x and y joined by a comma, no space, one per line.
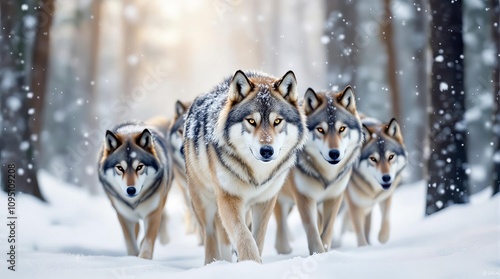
448,181
495,28
24,59
387,35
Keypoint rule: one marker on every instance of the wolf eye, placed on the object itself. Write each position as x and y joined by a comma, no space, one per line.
320,130
391,157
373,159
277,121
139,167
120,168
251,121
342,129
180,131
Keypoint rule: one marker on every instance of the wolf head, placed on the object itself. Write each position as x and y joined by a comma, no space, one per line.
261,118
333,123
383,155
129,161
176,133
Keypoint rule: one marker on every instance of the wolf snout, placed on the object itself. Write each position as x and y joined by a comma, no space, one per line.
131,191
266,151
386,178
334,156
387,181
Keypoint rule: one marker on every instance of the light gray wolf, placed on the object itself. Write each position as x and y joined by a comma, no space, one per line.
175,142
318,181
240,142
375,177
135,169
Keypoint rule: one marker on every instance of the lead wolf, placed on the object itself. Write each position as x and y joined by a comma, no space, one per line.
375,178
135,170
240,142
323,168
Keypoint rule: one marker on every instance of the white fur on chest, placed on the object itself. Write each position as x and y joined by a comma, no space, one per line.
315,189
141,211
251,193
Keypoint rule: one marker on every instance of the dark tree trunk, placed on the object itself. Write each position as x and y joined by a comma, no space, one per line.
387,34
422,78
19,110
39,71
342,50
448,180
495,28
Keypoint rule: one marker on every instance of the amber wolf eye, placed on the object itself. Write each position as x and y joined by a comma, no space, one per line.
277,121
251,121
342,129
320,130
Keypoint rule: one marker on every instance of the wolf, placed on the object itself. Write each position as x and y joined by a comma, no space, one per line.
135,169
175,143
319,179
240,142
375,177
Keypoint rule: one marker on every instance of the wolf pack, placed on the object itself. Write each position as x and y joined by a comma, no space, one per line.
246,150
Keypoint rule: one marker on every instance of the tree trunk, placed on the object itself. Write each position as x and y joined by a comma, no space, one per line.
342,52
387,34
495,28
447,165
17,142
39,71
422,83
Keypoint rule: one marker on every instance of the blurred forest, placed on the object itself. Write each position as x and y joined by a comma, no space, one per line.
71,69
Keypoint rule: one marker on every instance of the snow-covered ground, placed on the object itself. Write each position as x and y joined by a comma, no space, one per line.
76,235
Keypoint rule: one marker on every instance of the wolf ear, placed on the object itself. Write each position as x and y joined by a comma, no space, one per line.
394,131
240,87
145,140
180,108
347,99
111,141
311,101
287,86
366,133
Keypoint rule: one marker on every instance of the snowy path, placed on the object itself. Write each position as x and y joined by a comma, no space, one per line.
78,236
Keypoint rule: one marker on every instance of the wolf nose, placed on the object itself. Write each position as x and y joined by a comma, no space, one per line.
386,178
334,154
266,151
131,190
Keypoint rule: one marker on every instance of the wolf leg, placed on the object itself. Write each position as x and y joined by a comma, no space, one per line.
129,232
224,243
206,215
261,212
233,219
330,210
308,213
385,207
281,211
152,226
164,238
368,225
358,221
